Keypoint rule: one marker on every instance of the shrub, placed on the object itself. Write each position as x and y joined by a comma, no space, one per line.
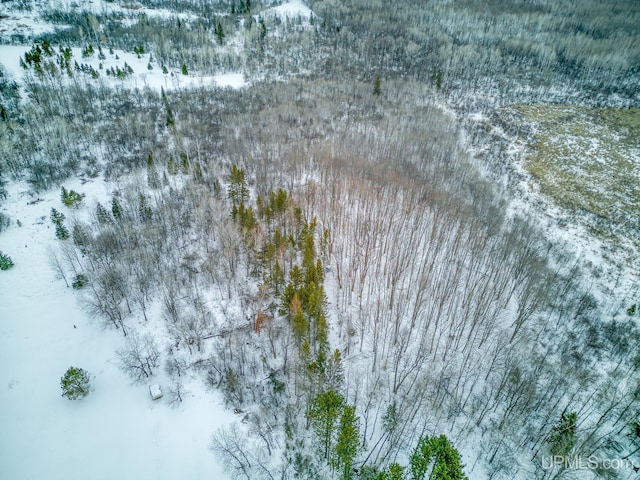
5,261
75,383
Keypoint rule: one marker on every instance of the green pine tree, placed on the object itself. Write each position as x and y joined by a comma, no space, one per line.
440,455
70,198
116,211
447,464
219,33
324,412
184,163
377,88
56,217
563,435
75,383
5,261
238,191
277,278
348,441
62,232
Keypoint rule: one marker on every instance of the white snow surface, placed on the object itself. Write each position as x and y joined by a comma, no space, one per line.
117,431
292,9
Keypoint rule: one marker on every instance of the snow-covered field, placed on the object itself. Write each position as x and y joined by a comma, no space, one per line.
142,77
291,10
118,431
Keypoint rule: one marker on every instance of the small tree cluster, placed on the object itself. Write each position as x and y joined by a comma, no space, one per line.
336,428
70,198
62,232
120,73
88,51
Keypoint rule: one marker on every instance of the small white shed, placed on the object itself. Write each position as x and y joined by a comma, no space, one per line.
155,391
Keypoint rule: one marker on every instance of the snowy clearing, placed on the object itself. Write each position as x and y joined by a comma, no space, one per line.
292,10
142,76
118,431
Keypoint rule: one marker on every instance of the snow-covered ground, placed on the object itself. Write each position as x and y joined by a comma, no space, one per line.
118,431
292,10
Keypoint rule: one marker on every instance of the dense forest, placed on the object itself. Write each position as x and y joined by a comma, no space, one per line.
333,247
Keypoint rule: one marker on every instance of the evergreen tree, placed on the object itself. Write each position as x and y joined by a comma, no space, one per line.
324,411
277,278
563,435
238,191
5,261
263,29
184,163
348,441
419,461
219,33
377,89
153,179
62,232
75,383
299,325
394,472
170,120
447,464
184,69
116,211
56,217
440,455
